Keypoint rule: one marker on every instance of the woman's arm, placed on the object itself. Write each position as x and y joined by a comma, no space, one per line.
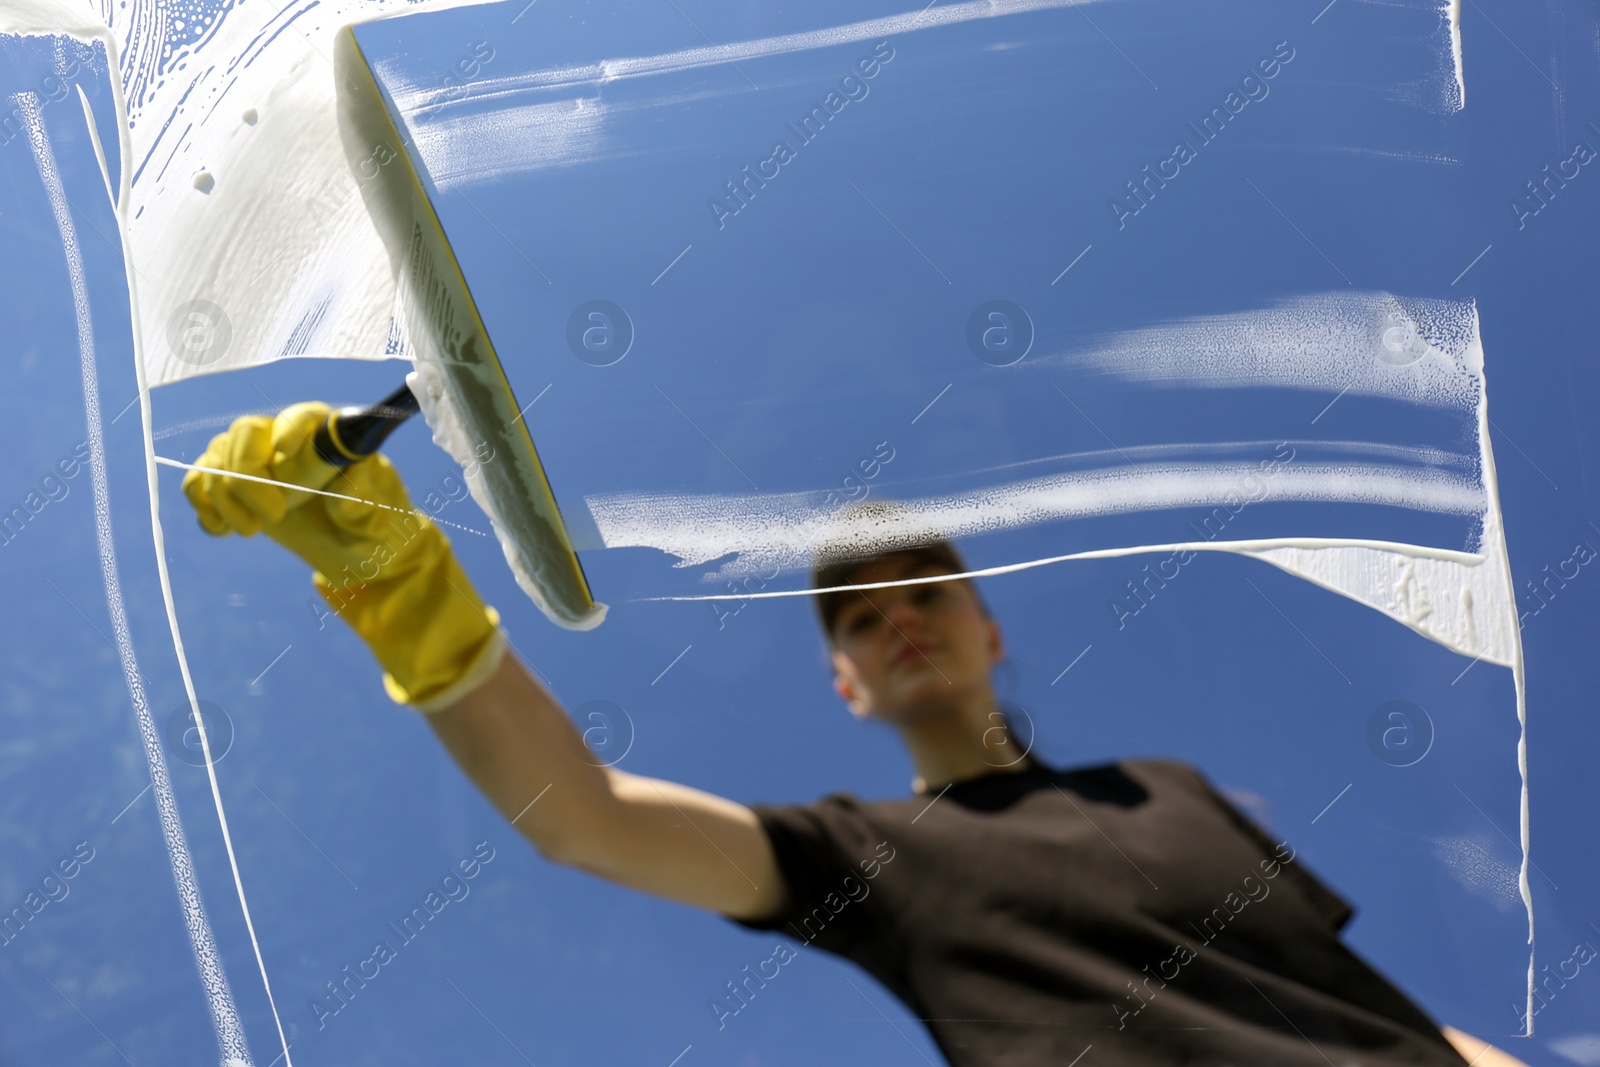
400,587
1479,1053
514,740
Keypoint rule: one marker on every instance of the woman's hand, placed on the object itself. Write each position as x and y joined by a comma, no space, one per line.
383,567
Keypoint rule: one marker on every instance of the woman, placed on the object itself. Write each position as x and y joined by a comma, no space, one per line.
1122,914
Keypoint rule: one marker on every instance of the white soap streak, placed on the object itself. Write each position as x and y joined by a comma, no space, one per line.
1472,862
1465,605
1441,90
783,530
1583,1049
122,210
1251,451
1448,601
463,150
611,70
1392,565
224,1014
465,146
1368,344
1470,608
1406,155
1453,13
1499,557
466,142
210,422
99,149
41,17
281,227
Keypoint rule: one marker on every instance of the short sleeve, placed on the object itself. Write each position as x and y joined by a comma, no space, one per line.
1328,905
824,851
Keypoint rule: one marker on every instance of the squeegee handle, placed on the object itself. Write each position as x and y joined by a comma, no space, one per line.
353,433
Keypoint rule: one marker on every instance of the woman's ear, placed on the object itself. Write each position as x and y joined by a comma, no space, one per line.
997,644
848,693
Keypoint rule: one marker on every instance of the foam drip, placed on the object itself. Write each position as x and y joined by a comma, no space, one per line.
1453,13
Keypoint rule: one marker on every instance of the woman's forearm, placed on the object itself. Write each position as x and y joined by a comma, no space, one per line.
516,742
1477,1052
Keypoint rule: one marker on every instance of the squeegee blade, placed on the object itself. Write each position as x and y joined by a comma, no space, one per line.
457,375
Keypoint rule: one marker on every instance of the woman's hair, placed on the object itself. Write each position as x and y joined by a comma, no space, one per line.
867,533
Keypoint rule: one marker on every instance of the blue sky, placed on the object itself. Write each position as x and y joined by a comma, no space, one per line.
823,323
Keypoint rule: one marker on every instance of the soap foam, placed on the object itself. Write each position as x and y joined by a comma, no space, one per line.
1366,344
782,531
1472,862
464,150
687,59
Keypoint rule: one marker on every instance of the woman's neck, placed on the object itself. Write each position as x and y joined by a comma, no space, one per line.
957,743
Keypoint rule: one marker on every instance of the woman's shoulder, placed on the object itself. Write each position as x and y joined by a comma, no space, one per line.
1148,770
841,813
1163,765
1138,774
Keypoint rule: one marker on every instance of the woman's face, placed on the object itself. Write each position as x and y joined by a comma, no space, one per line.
909,649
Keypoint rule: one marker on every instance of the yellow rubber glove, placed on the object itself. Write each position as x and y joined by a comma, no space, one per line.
382,566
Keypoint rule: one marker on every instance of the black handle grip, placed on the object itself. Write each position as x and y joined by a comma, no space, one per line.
351,434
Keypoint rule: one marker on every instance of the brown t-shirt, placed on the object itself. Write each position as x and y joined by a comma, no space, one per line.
1027,916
